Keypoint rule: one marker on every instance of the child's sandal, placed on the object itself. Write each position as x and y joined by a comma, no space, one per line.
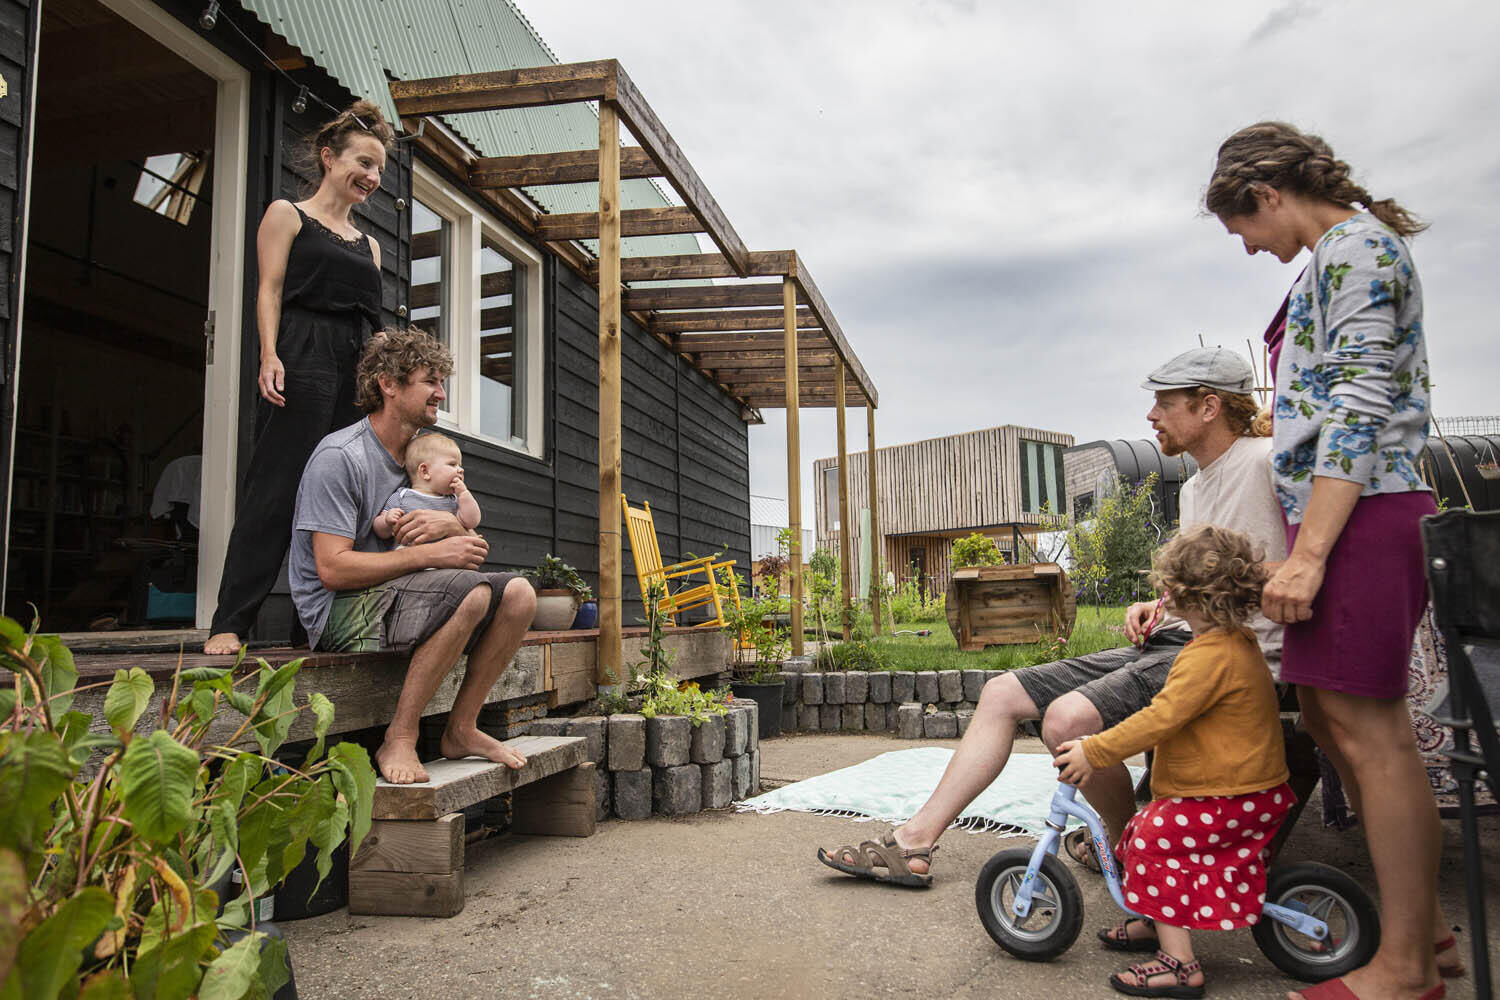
1117,938
1143,974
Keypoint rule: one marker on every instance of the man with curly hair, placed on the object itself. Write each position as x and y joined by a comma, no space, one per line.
355,592
1205,407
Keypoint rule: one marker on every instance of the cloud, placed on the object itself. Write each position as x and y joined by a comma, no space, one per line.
1281,19
1002,202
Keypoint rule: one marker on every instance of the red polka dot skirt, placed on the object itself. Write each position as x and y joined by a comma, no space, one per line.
1201,862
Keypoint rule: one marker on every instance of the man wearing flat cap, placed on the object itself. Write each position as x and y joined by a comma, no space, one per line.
1205,406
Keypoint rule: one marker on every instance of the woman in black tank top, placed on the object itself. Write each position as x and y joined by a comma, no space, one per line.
317,302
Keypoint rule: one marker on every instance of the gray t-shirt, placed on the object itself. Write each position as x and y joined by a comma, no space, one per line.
344,485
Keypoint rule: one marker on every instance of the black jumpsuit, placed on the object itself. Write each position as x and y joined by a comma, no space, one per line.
330,303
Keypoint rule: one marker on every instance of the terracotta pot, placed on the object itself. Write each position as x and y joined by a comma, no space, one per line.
555,610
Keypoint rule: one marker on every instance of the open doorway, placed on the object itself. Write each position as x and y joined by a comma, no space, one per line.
113,375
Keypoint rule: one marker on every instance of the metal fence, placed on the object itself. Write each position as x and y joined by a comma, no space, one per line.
1459,426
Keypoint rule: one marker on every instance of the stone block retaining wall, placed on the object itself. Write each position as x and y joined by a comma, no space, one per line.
665,765
889,701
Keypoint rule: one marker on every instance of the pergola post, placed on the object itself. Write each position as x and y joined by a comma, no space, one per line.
793,459
877,544
846,531
608,663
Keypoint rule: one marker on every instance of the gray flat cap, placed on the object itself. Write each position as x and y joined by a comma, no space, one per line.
1211,367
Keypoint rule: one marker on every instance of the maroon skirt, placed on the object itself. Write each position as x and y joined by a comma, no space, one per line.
1358,640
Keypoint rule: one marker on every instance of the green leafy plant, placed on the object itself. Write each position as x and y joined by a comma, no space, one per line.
976,550
752,624
554,574
111,840
1112,551
909,604
663,695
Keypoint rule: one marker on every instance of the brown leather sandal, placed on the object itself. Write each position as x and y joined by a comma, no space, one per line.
1143,975
884,861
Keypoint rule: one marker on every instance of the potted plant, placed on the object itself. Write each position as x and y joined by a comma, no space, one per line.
754,625
588,610
558,587
116,842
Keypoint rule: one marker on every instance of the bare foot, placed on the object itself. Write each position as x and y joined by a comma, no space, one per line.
459,743
398,762
222,644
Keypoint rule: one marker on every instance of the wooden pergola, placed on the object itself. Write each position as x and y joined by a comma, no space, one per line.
767,343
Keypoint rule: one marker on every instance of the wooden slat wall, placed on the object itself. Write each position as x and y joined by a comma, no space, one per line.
17,61
943,484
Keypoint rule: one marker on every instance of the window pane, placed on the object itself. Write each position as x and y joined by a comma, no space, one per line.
831,496
429,273
502,345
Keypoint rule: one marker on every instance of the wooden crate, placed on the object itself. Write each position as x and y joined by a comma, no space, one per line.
1009,605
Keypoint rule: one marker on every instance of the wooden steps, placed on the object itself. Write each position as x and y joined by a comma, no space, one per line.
412,861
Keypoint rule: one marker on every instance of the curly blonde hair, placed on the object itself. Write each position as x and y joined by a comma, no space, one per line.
396,352
1213,572
426,448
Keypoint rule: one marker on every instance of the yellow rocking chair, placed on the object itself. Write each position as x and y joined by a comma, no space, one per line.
707,591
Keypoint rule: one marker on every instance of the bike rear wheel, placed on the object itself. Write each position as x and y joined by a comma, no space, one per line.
1056,905
1334,898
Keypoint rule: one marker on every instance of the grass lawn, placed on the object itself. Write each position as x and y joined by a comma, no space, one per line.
1095,628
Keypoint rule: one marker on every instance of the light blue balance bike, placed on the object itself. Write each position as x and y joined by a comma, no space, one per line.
1319,922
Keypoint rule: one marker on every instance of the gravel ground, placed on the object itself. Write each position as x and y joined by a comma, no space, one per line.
736,905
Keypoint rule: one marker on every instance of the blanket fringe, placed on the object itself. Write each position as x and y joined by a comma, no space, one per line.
968,824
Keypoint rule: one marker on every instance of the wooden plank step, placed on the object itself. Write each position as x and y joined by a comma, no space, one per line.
454,784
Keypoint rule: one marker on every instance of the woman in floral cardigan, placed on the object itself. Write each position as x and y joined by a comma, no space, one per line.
1351,419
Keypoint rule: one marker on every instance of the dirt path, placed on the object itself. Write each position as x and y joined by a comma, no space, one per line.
736,905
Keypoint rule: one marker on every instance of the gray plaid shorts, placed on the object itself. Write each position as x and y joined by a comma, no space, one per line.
1117,682
401,614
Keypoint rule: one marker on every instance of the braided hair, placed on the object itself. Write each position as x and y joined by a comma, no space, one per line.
1278,155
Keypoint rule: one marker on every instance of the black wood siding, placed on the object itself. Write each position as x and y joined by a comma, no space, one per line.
18,33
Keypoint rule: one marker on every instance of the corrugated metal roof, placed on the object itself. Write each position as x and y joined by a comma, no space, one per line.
359,42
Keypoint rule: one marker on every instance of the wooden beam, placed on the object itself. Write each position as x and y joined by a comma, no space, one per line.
633,222
877,544
609,667
651,134
718,343
846,529
826,319
793,459
530,87
725,322
490,285
579,166
763,263
806,377
702,297
738,361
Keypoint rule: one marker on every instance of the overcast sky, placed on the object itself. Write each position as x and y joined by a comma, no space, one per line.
1001,200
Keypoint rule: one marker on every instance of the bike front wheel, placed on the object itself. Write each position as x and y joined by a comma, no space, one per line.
1334,898
1056,905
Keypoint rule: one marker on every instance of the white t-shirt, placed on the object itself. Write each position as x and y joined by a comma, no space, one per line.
1237,491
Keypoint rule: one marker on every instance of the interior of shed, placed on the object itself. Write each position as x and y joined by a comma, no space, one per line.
110,415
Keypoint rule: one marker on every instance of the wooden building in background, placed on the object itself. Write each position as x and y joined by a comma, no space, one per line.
996,481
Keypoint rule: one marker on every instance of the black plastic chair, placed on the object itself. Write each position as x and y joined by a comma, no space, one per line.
1463,572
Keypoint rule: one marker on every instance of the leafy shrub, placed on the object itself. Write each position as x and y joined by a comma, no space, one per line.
104,873
554,574
1112,551
909,604
976,550
664,696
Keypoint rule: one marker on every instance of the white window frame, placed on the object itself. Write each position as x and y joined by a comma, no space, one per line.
471,225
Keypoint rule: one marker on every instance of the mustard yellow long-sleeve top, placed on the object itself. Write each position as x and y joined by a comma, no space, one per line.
1215,724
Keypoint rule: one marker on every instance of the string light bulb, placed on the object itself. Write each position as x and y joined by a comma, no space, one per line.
299,103
210,16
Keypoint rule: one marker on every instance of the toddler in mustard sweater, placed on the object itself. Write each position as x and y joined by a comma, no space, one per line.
1195,857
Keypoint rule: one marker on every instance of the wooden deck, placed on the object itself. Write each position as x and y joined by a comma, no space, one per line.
363,686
